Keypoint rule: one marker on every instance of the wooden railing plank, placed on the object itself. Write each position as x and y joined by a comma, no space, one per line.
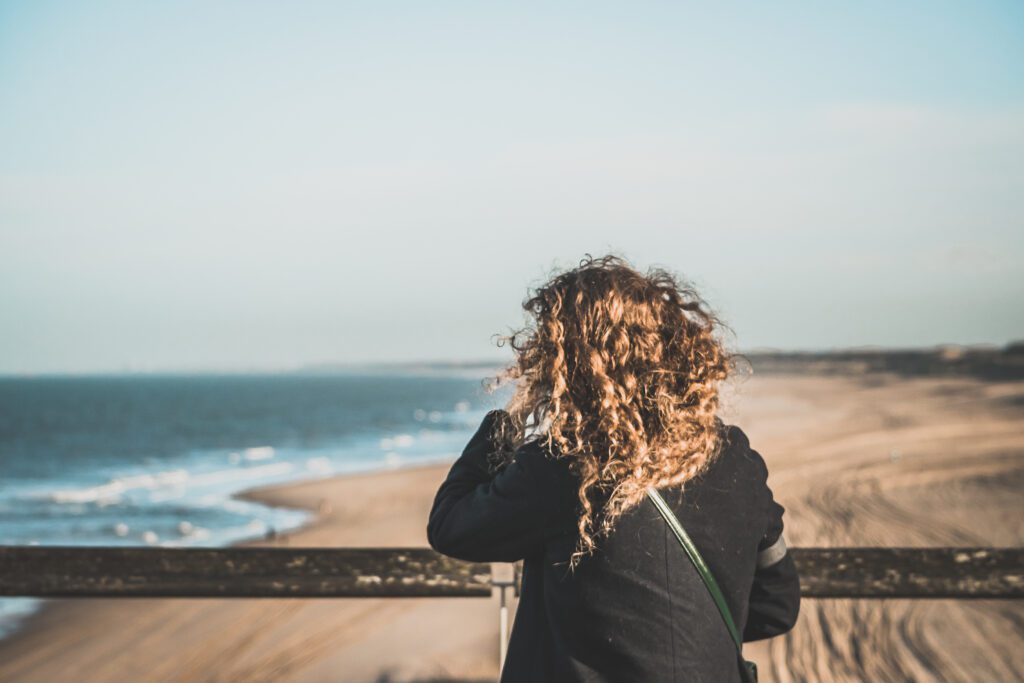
961,573
81,571
52,571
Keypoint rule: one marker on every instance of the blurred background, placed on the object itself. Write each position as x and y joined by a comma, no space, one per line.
251,252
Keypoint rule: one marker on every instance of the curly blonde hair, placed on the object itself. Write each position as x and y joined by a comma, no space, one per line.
618,372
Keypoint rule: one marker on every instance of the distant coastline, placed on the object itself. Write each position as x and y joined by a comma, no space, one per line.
984,361
981,361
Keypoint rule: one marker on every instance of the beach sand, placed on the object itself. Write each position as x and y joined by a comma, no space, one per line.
857,460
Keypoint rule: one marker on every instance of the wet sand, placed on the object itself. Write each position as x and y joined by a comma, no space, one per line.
857,460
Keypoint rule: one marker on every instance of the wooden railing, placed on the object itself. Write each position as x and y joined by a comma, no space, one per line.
77,571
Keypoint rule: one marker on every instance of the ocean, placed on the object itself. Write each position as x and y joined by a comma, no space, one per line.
157,460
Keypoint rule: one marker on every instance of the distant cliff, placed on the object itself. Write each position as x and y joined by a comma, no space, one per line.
985,362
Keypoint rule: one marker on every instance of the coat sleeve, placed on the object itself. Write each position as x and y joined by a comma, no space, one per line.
485,517
775,594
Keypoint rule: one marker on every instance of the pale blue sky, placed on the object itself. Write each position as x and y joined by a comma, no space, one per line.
203,185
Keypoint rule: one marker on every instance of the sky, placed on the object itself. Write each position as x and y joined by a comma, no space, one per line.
233,186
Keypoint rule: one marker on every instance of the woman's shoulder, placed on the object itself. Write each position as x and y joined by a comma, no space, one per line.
737,452
536,453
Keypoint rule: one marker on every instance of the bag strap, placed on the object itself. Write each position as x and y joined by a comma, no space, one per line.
698,562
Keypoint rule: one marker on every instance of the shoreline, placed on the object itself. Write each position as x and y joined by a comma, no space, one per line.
181,638
275,495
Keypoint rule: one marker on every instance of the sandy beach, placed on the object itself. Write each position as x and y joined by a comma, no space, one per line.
857,460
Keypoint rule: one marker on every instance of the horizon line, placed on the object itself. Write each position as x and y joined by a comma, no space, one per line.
330,367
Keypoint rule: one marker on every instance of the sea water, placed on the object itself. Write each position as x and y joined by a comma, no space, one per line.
157,460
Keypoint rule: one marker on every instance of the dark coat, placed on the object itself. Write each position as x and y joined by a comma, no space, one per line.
636,610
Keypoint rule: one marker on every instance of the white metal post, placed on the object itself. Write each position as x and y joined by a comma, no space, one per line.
502,578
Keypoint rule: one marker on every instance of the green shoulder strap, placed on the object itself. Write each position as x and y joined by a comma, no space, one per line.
705,575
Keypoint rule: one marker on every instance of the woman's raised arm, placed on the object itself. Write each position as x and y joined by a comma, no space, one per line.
486,517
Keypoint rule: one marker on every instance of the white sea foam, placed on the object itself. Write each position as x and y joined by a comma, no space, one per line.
258,453
114,489
399,441
321,465
242,473
164,486
13,611
162,496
